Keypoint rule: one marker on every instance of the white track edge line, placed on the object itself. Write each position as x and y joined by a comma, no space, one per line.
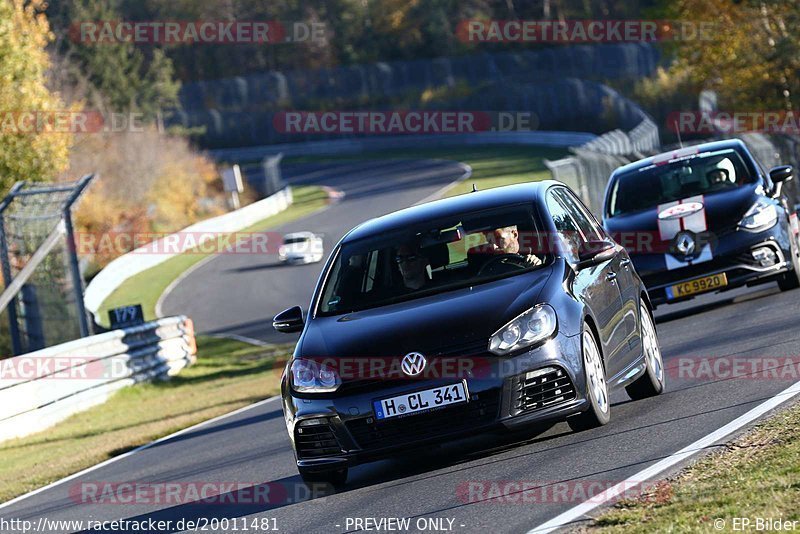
442,190
137,449
654,470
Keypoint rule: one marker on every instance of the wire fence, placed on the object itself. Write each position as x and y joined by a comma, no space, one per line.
588,168
43,297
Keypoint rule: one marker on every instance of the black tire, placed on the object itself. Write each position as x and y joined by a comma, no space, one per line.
651,383
599,411
791,279
335,478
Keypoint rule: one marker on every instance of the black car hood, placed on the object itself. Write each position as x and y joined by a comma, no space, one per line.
723,209
436,324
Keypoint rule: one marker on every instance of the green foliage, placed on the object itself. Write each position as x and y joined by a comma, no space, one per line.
129,78
356,31
40,153
750,57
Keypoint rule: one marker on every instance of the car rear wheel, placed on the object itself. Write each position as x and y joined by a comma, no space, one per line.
599,411
651,383
791,280
335,478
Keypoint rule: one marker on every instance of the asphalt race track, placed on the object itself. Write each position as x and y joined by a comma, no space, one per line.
251,447
240,293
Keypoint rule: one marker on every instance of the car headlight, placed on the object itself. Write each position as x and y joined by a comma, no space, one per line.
309,376
761,216
528,328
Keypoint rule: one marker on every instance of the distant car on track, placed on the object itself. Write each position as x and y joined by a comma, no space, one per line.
301,247
461,315
704,218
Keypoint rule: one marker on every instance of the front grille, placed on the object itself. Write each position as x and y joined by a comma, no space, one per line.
370,433
437,359
315,441
469,348
539,389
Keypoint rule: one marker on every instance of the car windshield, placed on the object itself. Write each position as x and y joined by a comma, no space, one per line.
293,240
701,174
438,256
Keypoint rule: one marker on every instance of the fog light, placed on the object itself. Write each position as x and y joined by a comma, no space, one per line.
539,372
765,256
312,422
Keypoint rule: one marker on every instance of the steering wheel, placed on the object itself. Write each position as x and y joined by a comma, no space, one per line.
505,260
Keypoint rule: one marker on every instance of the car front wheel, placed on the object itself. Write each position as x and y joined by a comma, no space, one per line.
599,412
651,383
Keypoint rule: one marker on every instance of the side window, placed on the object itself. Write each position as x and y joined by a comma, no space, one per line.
587,224
568,232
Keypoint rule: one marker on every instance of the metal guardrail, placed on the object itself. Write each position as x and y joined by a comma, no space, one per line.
39,389
588,169
366,144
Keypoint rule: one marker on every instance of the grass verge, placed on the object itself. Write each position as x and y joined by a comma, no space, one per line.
228,375
757,475
147,287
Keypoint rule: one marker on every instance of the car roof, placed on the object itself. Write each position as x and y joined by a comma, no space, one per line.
681,153
468,202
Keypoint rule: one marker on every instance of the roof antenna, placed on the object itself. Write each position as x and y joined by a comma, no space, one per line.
474,188
678,131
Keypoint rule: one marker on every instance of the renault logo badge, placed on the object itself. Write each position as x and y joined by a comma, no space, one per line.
685,244
413,363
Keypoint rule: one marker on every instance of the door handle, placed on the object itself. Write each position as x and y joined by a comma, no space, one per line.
625,262
611,276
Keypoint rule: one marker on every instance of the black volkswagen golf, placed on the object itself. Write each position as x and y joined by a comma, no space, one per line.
705,218
492,309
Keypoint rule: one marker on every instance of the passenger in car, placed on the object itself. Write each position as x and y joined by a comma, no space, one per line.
413,266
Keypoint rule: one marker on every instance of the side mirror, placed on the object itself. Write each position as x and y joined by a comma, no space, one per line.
594,252
781,174
289,321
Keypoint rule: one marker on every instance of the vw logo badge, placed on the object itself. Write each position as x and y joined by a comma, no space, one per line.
413,363
685,244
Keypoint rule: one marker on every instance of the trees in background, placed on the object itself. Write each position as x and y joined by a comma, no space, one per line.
357,31
750,56
40,152
120,76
